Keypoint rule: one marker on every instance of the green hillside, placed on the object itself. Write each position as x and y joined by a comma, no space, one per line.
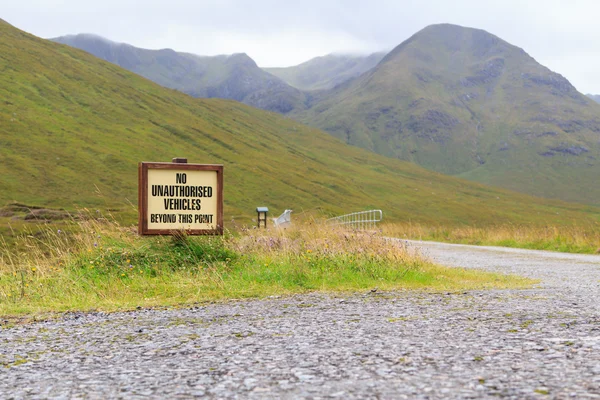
464,102
235,76
327,71
73,128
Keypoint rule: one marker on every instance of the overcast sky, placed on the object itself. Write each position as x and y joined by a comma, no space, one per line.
564,35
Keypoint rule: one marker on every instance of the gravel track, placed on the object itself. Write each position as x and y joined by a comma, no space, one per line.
537,343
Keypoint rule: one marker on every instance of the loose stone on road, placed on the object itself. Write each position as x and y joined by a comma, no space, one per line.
536,343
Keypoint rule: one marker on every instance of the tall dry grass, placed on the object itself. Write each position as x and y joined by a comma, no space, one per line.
98,264
571,239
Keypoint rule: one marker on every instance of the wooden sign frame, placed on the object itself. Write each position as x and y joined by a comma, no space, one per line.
143,169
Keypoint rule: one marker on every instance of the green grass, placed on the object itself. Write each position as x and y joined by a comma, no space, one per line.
103,266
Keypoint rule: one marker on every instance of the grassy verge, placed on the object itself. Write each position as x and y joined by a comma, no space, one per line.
109,267
567,239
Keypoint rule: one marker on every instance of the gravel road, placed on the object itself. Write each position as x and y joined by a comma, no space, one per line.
537,343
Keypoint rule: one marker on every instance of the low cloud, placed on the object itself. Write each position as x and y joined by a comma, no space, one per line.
561,35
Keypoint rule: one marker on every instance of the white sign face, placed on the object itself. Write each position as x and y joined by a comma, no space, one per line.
182,199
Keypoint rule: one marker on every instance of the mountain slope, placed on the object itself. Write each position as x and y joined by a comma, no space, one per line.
464,102
73,128
326,72
234,77
595,97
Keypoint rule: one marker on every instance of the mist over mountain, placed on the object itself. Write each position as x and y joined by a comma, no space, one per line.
327,71
233,76
595,97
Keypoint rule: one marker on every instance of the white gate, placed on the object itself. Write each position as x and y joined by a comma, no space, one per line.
362,220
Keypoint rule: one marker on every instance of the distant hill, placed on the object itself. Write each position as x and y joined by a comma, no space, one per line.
595,97
326,72
234,76
464,102
73,129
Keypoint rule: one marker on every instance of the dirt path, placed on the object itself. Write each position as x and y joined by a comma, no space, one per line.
537,343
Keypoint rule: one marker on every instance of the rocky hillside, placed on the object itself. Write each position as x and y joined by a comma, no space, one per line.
234,76
465,102
326,72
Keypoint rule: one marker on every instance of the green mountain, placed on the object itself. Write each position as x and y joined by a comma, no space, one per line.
455,100
326,72
595,97
73,128
466,103
234,76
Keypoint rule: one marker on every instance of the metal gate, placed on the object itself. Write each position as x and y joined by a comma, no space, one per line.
362,220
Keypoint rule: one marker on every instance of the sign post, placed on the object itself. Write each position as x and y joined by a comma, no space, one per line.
180,197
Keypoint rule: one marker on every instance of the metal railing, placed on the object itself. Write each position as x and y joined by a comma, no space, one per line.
362,220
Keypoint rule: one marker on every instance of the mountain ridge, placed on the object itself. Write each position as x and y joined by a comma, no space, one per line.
234,76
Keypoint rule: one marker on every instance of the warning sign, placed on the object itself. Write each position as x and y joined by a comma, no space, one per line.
180,197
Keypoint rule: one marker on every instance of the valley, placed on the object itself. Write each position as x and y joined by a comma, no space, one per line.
74,128
455,100
124,275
